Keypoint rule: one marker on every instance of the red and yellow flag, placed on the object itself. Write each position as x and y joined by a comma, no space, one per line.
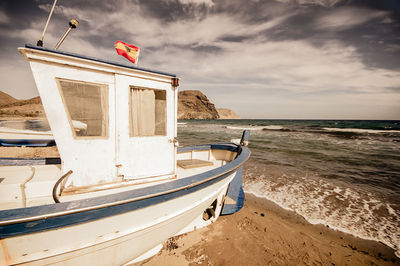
128,51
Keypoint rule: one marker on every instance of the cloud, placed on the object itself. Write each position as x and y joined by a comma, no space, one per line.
3,17
262,59
134,23
387,20
208,3
393,48
324,3
346,18
254,75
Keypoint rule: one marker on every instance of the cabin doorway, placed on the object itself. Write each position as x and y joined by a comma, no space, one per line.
145,127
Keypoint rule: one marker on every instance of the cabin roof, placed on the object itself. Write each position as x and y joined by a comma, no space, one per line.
30,46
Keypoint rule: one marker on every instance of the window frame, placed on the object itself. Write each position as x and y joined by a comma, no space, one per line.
104,106
131,88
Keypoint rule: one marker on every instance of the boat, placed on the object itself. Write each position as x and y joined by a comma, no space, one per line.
122,185
10,137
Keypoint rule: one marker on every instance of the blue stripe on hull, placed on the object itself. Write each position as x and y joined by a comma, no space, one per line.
92,215
27,142
235,192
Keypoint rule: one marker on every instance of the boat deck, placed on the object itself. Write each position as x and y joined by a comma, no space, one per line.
26,186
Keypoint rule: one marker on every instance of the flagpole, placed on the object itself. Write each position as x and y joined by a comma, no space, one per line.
40,42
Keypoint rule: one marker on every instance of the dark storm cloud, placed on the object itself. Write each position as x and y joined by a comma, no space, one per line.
18,15
168,11
376,39
387,5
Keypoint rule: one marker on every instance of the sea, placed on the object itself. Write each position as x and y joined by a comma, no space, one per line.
341,173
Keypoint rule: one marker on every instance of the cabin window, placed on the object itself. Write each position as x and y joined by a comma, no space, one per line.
86,105
148,112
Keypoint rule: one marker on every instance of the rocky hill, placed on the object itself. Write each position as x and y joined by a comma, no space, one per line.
193,104
6,99
26,108
225,113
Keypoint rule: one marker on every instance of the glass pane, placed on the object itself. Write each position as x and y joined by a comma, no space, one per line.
87,107
148,112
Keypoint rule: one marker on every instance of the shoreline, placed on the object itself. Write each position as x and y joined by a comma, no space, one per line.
263,233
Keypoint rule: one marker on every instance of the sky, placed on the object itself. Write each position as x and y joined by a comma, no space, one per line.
272,59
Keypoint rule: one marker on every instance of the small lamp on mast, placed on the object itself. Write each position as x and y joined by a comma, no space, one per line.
73,23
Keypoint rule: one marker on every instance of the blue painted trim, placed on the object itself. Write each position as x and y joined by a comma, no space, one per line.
245,136
235,192
218,146
27,142
51,216
87,216
30,46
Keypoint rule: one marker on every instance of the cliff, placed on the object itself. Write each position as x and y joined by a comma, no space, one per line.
193,104
225,113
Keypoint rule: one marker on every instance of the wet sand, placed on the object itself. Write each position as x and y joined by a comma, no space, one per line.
262,233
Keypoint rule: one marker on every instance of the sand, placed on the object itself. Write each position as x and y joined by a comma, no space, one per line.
264,234
261,233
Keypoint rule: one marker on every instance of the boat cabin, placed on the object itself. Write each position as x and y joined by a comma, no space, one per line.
111,122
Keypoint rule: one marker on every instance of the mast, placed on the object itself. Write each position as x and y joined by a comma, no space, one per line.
40,42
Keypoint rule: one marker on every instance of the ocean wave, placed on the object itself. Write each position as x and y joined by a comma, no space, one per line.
344,209
272,127
359,130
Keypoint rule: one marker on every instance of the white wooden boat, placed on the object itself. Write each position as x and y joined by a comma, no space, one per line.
17,137
22,137
122,185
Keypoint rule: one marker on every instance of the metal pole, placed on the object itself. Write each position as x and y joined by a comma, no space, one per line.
73,23
40,42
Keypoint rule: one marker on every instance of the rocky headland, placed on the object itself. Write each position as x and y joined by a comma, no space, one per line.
225,113
192,104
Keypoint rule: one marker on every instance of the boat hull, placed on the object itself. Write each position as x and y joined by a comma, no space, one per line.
113,240
113,230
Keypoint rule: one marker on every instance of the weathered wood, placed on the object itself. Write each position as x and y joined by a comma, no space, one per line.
193,163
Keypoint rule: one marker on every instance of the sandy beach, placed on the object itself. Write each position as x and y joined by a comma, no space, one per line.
264,234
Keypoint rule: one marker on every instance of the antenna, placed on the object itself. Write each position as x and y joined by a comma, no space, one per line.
40,42
73,23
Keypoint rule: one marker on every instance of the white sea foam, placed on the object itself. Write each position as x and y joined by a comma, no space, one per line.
272,127
359,130
245,128
340,208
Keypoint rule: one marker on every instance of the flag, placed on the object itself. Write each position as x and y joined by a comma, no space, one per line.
128,51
